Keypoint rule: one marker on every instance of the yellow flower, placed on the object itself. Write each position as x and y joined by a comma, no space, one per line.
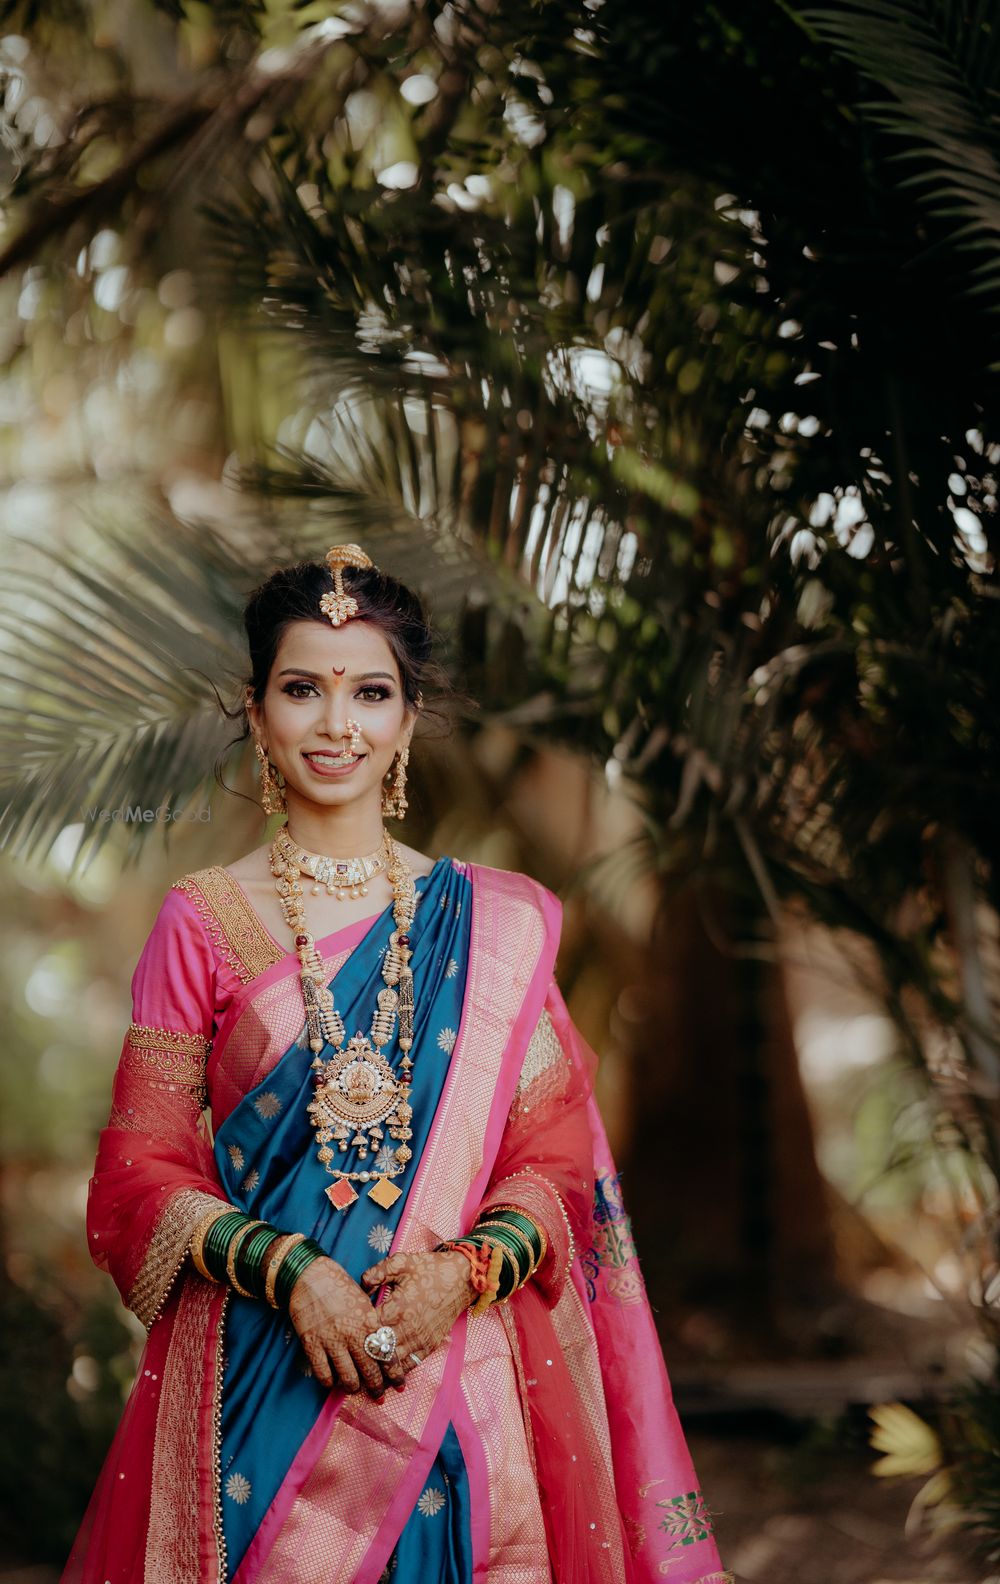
911,1445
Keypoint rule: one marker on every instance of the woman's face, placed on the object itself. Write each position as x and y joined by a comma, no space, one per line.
322,677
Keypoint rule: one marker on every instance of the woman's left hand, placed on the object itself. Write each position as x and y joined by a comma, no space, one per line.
427,1293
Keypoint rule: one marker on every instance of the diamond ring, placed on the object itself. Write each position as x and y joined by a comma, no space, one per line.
381,1344
415,1358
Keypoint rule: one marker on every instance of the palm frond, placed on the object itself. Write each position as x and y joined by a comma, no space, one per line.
939,67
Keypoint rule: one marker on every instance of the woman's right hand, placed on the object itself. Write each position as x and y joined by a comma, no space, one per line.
332,1317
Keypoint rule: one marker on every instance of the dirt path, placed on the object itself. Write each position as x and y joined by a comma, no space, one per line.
794,1515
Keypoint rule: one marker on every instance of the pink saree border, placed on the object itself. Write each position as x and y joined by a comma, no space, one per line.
340,941
479,1488
490,963
329,1506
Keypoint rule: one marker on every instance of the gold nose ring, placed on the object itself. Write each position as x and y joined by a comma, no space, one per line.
355,731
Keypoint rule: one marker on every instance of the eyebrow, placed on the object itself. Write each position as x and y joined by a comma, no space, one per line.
317,676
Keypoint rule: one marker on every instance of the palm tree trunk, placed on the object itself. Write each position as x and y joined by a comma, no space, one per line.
729,1207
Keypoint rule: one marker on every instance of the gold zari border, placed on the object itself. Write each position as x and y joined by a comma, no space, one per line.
167,1252
232,925
174,1056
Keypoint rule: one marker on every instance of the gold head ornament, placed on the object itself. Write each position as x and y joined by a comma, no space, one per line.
339,605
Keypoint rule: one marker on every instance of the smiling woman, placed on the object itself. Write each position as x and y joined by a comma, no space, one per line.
409,1187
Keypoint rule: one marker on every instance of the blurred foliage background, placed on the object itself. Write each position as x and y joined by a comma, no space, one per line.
657,346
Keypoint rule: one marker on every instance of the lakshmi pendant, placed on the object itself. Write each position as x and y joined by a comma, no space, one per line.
357,1099
356,1089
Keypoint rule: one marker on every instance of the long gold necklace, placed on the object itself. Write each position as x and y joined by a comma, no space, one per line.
358,1097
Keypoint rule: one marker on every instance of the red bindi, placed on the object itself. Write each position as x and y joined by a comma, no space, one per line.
338,670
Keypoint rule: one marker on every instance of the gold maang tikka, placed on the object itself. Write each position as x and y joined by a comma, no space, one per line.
339,605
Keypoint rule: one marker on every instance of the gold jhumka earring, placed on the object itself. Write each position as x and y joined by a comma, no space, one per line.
394,804
272,793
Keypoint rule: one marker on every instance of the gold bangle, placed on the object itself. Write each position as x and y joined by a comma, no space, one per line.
281,1248
515,1272
506,1257
543,1240
197,1244
233,1250
484,1300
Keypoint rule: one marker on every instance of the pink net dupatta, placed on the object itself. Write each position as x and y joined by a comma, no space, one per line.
153,1181
619,1493
155,1175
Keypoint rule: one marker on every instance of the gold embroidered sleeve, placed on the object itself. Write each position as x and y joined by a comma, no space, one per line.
156,1063
544,1070
167,1251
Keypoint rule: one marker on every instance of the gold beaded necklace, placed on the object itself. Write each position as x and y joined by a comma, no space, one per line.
358,1096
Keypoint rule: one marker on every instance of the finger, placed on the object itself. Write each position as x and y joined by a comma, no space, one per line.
391,1311
393,1370
318,1361
386,1270
347,1376
369,1370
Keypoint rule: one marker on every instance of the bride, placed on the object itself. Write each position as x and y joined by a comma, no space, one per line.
396,1325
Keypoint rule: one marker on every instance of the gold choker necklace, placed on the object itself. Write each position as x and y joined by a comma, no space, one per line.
343,877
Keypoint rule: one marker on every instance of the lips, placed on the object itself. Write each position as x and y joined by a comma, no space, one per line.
331,767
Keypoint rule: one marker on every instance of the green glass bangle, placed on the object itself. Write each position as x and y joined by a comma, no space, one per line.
252,1245
221,1231
514,1242
251,1259
291,1268
216,1246
236,1243
521,1223
288,1275
527,1256
489,1232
